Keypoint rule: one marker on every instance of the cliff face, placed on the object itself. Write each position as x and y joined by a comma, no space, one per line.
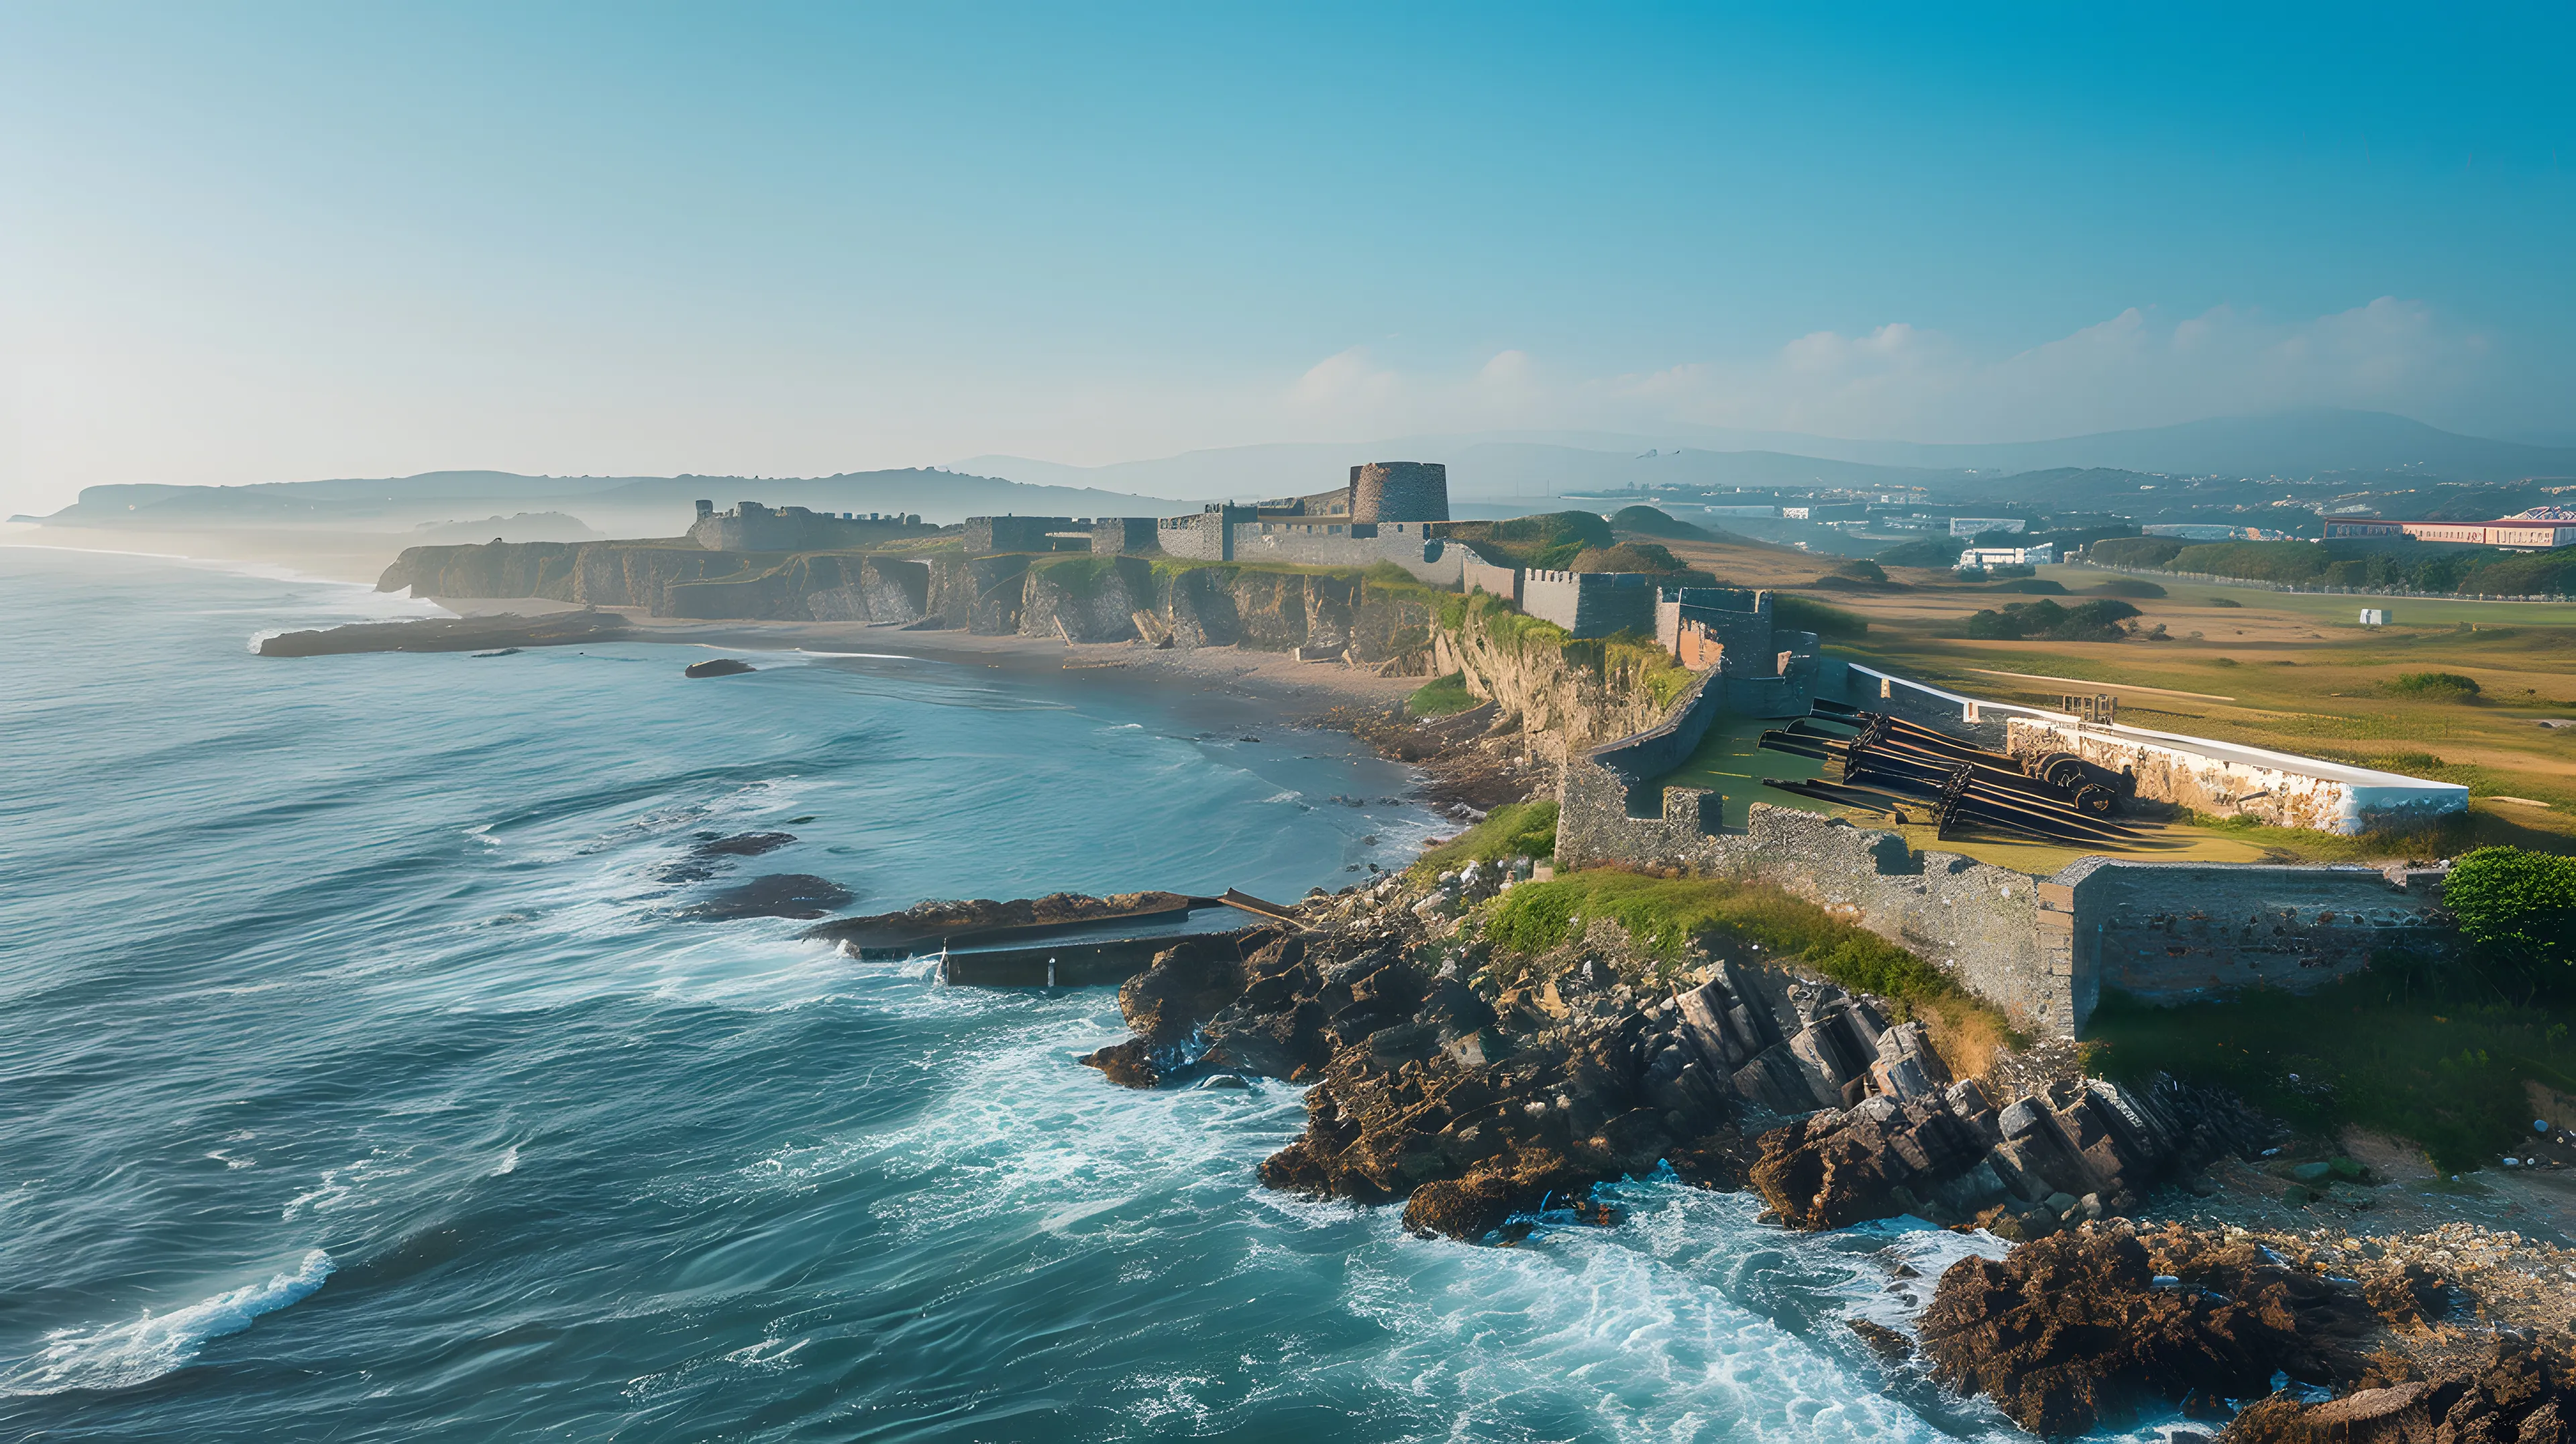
1082,598
1578,697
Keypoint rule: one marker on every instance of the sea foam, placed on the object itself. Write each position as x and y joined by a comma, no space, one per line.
120,1356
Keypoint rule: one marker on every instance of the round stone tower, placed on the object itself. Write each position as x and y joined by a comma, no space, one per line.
1400,491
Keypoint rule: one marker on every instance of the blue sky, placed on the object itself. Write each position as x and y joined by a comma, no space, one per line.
270,242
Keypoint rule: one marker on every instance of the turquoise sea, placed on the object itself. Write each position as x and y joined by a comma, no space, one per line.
361,1078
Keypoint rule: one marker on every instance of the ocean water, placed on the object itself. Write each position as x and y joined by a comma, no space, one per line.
361,1079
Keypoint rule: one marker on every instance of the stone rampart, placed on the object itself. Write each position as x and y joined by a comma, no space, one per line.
2227,779
1591,604
1478,574
2041,949
1325,543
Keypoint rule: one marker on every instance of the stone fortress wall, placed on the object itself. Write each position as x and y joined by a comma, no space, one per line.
1386,513
1591,604
751,527
2039,948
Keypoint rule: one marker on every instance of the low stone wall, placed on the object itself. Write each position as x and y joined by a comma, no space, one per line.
2040,949
1344,544
1479,574
2175,932
2229,780
1591,604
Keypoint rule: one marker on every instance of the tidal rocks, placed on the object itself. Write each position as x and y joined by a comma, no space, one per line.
741,844
2523,1392
927,925
2023,1170
451,634
718,667
778,895
2085,1327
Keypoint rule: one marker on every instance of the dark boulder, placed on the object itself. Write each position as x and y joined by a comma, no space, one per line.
2087,1327
778,895
718,667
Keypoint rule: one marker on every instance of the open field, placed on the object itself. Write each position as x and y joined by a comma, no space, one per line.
2291,671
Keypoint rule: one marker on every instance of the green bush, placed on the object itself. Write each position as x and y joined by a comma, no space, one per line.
2515,905
1440,697
2432,686
2094,621
2135,551
1861,569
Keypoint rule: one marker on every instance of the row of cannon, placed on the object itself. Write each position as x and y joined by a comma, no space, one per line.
1891,766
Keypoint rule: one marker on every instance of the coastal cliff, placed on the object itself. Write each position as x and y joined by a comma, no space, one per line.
1569,694
1377,621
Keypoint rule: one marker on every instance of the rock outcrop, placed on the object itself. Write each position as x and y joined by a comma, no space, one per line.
2085,1328
2522,1392
450,634
2024,1170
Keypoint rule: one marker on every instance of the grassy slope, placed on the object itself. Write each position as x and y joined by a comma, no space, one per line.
1665,915
2407,1052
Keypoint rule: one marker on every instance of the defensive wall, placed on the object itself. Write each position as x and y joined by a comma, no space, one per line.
2040,948
1342,544
1478,574
2226,779
1591,604
751,527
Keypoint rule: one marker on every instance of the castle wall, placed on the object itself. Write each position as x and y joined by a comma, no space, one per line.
2230,780
1118,536
1591,604
1480,574
751,527
2040,949
987,535
1346,544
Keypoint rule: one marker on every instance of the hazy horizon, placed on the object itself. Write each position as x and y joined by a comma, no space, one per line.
283,243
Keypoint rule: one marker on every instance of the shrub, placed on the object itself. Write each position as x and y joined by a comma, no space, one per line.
2223,602
2095,621
1861,569
2135,551
2519,906
2432,686
2131,587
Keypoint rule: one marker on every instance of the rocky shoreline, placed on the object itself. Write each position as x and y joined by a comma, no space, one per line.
1475,1107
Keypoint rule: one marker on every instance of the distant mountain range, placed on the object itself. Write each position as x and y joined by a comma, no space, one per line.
1493,466
1491,473
619,505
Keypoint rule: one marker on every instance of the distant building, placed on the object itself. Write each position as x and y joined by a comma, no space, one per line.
1980,525
1388,511
1978,558
751,527
2374,616
2538,529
